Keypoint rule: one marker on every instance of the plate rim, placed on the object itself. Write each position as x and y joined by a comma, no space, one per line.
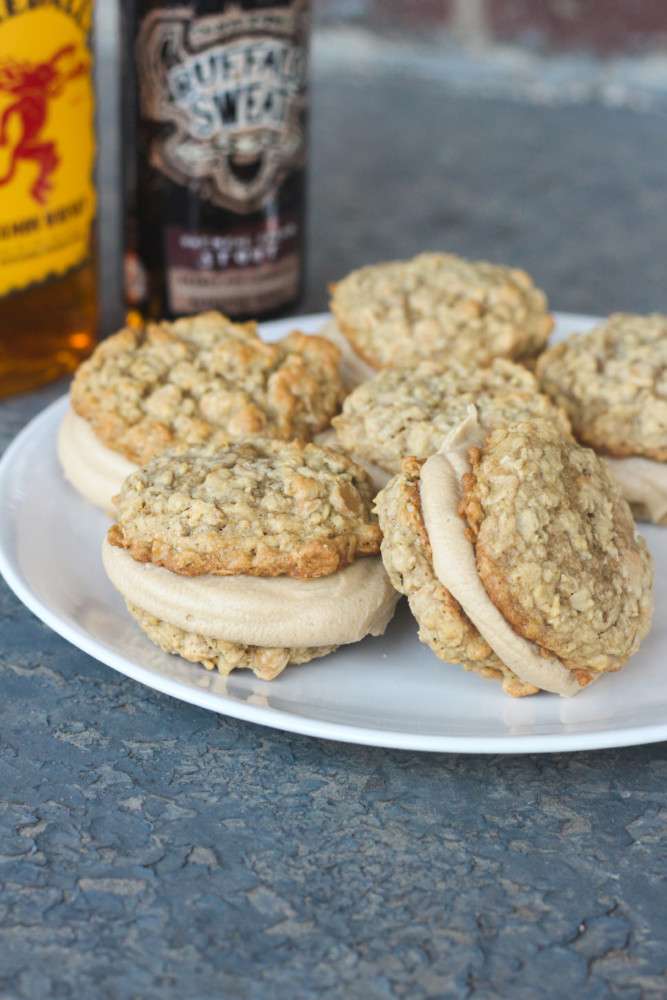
306,725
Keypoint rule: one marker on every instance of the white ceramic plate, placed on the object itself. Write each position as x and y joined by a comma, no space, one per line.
389,691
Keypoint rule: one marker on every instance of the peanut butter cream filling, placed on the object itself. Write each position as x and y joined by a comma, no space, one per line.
455,565
283,611
94,470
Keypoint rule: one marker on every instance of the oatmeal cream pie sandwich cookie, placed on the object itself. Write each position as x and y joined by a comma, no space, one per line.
440,306
200,378
613,383
519,556
255,553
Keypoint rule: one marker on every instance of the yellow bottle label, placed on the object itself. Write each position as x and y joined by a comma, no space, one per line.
47,145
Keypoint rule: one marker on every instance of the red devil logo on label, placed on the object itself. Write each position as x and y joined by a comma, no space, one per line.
33,85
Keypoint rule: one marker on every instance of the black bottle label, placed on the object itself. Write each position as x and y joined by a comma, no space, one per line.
233,88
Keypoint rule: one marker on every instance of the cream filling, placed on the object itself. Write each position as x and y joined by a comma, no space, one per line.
456,568
353,369
94,470
280,611
643,481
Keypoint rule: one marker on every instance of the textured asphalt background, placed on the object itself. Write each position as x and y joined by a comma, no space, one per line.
149,849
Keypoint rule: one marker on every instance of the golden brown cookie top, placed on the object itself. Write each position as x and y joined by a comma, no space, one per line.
613,383
410,411
439,305
256,506
557,548
205,378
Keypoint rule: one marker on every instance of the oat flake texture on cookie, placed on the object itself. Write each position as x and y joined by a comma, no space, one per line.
410,411
612,383
440,305
205,378
550,585
256,506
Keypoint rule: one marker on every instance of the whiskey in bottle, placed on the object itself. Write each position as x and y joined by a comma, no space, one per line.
48,292
215,111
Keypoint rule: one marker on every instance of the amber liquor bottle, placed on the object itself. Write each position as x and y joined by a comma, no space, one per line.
215,116
48,290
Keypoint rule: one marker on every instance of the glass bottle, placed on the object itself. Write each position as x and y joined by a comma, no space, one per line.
48,290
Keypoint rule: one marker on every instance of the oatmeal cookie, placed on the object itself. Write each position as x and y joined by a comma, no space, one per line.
410,411
440,305
256,506
613,383
204,378
557,547
521,549
266,662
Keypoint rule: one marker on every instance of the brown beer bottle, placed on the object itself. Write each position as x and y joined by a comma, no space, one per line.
215,110
48,291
